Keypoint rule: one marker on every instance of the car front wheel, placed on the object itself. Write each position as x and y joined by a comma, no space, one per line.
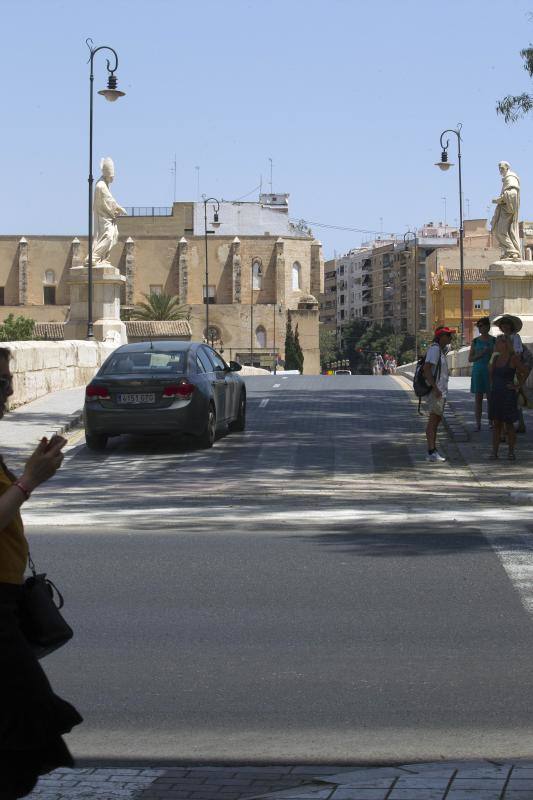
95,441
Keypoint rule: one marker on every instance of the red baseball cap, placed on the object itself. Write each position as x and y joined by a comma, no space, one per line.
444,329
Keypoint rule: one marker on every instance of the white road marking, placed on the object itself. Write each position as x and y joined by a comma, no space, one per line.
284,378
276,385
516,555
263,403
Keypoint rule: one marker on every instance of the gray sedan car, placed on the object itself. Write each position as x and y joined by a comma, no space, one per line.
164,387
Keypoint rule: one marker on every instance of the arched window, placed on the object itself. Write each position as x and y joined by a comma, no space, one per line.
257,274
50,277
261,336
529,254
296,276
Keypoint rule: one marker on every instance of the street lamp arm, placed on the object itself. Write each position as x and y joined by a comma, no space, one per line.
212,200
457,132
94,51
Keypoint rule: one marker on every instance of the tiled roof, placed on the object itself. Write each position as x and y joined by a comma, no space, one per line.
141,328
53,331
471,275
137,329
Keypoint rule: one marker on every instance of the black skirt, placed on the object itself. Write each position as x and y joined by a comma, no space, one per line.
32,717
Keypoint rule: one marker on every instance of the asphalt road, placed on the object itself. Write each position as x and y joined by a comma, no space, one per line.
311,589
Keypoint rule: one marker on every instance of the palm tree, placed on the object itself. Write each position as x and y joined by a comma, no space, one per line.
160,307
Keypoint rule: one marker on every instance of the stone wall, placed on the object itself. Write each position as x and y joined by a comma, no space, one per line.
42,367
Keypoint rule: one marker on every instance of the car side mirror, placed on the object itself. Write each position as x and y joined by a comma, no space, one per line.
235,366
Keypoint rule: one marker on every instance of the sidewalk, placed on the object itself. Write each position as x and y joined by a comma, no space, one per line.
22,428
473,780
514,478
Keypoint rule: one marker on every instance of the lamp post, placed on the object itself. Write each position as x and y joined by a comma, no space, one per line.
215,223
259,274
414,238
444,165
111,93
278,308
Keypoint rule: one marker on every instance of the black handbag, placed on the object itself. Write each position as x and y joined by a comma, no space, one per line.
41,621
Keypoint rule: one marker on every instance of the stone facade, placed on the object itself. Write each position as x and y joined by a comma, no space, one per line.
165,253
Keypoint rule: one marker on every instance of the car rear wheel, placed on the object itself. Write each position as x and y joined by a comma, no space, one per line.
95,441
207,439
239,424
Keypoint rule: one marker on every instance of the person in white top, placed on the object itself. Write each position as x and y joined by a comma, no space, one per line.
436,374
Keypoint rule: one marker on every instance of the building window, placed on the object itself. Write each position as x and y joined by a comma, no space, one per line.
2,301
50,277
257,275
296,276
49,295
486,305
477,305
156,288
211,295
261,336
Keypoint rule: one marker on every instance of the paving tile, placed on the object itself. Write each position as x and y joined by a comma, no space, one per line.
480,794
353,793
368,783
423,782
478,784
417,794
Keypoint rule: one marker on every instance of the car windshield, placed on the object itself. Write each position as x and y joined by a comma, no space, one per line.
151,362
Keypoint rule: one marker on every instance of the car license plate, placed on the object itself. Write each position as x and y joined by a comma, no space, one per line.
136,399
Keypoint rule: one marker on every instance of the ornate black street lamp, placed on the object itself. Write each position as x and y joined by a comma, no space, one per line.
259,273
416,287
215,223
444,165
111,93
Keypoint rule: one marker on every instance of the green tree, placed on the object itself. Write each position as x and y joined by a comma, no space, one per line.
515,106
160,307
15,329
328,345
291,358
298,349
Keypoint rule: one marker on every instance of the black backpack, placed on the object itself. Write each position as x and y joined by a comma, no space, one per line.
420,386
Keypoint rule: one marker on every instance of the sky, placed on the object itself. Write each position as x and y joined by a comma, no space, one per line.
347,97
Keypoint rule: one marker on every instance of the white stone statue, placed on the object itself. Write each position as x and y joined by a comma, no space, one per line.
106,210
505,219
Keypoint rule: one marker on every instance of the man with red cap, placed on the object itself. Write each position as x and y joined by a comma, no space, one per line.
436,375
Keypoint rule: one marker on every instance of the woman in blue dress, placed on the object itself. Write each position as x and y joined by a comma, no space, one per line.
481,350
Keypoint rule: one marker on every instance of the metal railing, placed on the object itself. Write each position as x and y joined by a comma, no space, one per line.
149,211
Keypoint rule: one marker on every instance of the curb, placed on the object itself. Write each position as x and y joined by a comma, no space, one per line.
72,422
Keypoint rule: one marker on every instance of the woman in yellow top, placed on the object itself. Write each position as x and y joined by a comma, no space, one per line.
32,717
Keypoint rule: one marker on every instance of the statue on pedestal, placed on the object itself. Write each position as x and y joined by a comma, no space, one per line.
505,220
106,210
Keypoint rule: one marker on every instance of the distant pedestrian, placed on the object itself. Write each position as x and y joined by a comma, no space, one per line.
507,373
510,327
436,374
32,717
481,350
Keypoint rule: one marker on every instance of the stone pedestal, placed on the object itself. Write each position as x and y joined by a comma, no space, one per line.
511,291
107,285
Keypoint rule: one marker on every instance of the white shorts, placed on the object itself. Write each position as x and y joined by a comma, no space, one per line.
435,405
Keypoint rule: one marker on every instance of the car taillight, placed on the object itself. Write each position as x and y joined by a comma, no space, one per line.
182,389
95,391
